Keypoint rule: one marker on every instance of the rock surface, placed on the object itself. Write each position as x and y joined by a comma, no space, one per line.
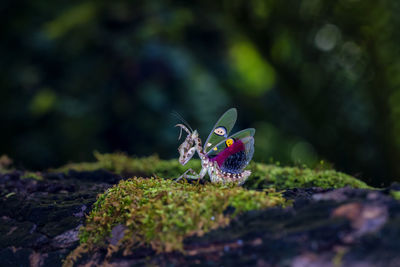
40,218
324,227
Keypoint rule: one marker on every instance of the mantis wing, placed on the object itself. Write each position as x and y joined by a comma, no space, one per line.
241,135
221,129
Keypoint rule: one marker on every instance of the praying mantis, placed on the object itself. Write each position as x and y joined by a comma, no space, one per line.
223,157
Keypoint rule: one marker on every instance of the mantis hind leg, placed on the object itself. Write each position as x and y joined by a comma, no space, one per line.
194,174
215,175
243,177
186,176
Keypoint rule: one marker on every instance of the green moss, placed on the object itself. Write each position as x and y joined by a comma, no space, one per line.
32,175
6,162
395,194
263,175
122,164
161,213
270,176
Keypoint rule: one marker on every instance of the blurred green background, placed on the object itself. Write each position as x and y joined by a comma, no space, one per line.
319,80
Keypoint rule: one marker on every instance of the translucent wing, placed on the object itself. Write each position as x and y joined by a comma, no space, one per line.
249,148
221,129
236,156
236,162
249,132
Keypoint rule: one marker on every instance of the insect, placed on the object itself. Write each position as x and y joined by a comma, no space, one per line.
223,157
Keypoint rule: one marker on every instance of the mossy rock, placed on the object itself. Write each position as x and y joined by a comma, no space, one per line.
155,220
160,213
121,164
271,176
263,175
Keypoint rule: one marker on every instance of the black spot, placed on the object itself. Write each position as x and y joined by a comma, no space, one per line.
234,163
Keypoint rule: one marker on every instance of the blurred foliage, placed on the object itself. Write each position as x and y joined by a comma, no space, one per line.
395,194
318,79
5,163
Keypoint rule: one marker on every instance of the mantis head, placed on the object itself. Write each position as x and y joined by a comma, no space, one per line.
187,148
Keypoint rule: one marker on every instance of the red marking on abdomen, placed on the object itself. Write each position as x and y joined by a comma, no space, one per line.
224,154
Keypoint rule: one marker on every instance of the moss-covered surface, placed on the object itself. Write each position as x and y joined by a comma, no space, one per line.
395,194
5,168
342,227
156,221
263,175
121,164
271,176
32,175
161,213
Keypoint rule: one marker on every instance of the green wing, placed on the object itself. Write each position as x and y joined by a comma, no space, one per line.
237,136
221,129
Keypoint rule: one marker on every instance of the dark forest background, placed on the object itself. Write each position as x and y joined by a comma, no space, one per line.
319,80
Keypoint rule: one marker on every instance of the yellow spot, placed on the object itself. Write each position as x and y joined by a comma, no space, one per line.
215,148
229,142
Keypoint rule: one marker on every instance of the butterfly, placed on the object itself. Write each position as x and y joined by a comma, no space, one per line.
223,157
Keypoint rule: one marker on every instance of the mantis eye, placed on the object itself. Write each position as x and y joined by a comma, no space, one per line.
221,131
